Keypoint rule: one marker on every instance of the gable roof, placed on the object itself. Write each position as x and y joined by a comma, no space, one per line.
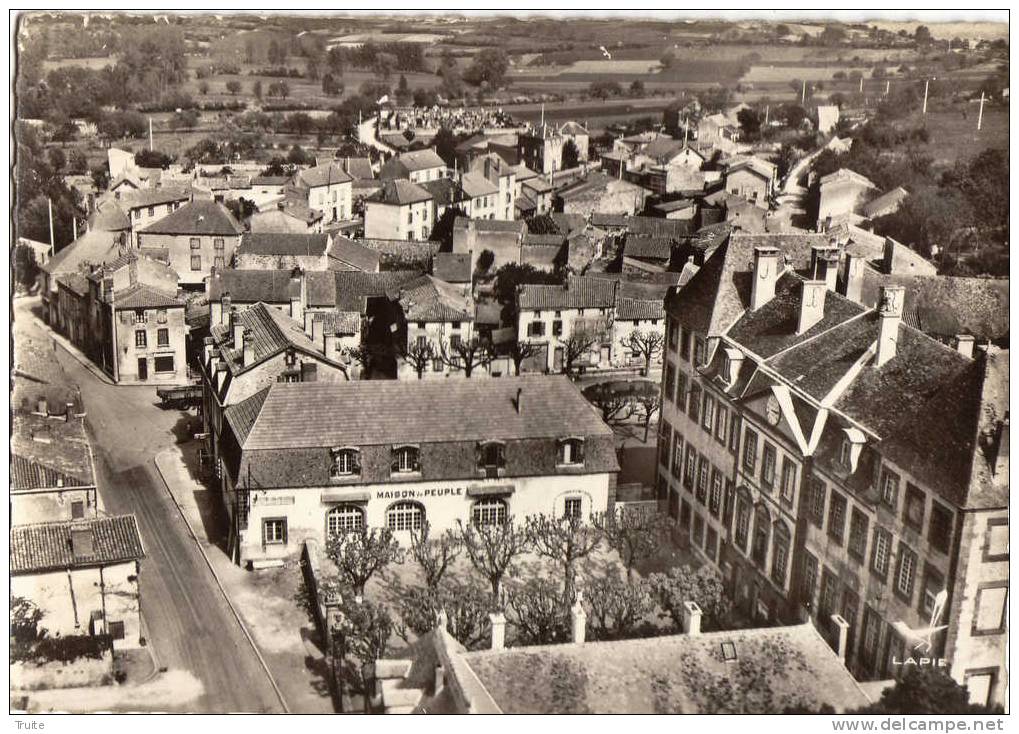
154,197
647,247
357,168
324,175
252,286
283,243
429,299
94,247
199,217
474,184
402,165
886,203
846,175
452,267
354,287
44,451
444,191
400,192
577,292
140,295
572,128
347,251
48,546
491,225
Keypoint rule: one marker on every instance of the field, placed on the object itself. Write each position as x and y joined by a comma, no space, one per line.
954,138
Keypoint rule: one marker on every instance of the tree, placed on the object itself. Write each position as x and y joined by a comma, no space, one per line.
616,607
331,86
489,67
635,533
649,398
520,352
256,89
465,604
704,586
233,87
26,269
419,355
583,338
637,88
57,159
925,690
152,159
511,275
485,260
614,404
359,554
603,89
25,618
493,548
571,155
300,122
564,540
203,88
466,355
832,35
311,69
77,163
361,629
403,90
922,36
434,555
645,344
538,613
749,122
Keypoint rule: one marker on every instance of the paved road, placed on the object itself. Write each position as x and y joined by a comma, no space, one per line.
190,625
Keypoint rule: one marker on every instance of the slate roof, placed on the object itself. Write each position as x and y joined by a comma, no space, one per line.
676,674
352,253
452,267
75,282
429,299
474,184
391,412
251,286
632,309
357,168
324,175
154,197
646,247
94,247
400,192
444,191
405,163
283,243
271,332
140,295
886,203
353,287
199,217
48,546
650,226
577,292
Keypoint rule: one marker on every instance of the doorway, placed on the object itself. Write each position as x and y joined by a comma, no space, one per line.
143,368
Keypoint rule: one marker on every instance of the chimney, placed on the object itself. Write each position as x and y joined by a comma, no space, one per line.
824,264
498,630
238,331
691,618
1001,458
317,327
964,345
843,640
812,298
68,412
227,305
215,313
248,343
520,397
309,318
329,344
852,285
578,617
890,309
42,408
888,260
765,276
440,679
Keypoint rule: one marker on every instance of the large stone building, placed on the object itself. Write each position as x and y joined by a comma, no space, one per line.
327,189
306,460
433,317
837,463
400,210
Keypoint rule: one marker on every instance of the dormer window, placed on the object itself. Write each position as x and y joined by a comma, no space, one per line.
571,452
492,457
846,453
850,448
346,462
405,459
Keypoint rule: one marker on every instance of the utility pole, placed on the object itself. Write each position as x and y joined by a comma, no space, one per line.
861,83
980,116
926,88
767,112
53,246
888,86
803,94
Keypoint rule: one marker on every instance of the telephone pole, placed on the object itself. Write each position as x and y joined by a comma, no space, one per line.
803,94
980,116
53,246
926,88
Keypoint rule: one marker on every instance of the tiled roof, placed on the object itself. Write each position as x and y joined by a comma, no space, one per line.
353,287
776,668
752,163
140,295
541,256
154,197
572,128
94,247
647,247
452,267
280,243
547,240
29,474
340,323
51,546
323,175
110,217
241,416
252,286
886,203
44,449
271,332
490,225
416,160
674,206
75,282
650,226
631,309
444,191
846,175
270,180
400,192
199,217
388,412
354,254
431,300
474,184
663,149
577,292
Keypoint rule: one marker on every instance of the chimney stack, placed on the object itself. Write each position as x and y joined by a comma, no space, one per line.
812,298
890,310
691,618
317,328
520,396
498,630
765,276
888,259
824,264
964,345
225,307
42,408
329,344
249,348
309,318
852,285
843,640
68,412
578,618
238,331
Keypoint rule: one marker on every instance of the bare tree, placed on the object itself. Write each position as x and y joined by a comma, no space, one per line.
419,355
636,533
584,337
645,344
520,351
360,355
434,555
563,540
616,406
617,606
493,548
359,554
649,399
538,612
466,355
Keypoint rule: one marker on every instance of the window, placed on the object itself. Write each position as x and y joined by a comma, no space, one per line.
116,630
163,364
405,516
163,337
703,476
677,456
571,451
684,345
217,243
996,540
742,523
933,583
536,328
788,480
837,517
140,317
991,608
762,531
670,382
816,499
940,531
137,212
906,575
664,431
715,503
344,519
196,262
881,554
846,453
682,387
913,512
405,459
673,336
809,580
858,535
721,422
711,543
455,341
871,637
691,468
218,262
708,416
161,316
700,352
734,433
346,462
196,243
780,554
695,402
573,508
77,510
274,531
768,462
826,604
698,530
410,217
140,339
557,328
890,489
492,456
750,452
489,511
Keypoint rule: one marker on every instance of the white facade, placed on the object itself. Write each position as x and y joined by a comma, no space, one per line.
333,200
398,222
553,328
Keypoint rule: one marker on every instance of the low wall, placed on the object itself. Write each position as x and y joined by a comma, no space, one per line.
83,671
